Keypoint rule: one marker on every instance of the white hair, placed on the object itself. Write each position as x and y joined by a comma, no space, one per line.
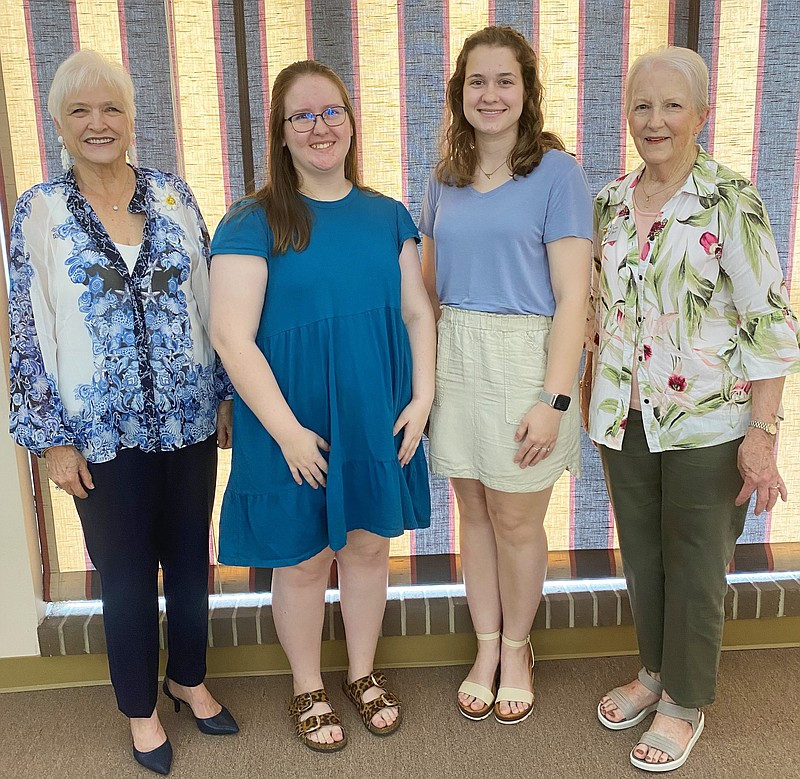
685,61
87,69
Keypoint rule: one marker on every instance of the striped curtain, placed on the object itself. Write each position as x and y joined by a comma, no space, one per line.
395,58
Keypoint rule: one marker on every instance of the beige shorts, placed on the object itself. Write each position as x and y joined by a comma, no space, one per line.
489,372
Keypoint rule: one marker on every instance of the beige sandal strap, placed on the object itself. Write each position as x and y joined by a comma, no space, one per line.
477,691
692,716
654,685
488,636
514,694
662,743
511,642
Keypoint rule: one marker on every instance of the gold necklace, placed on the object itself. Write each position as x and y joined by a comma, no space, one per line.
673,183
489,175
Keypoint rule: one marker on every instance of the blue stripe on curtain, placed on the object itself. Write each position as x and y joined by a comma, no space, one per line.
149,61
425,90
517,13
51,31
227,48
332,26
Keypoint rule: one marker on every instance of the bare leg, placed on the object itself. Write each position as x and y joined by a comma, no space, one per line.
147,732
298,608
518,522
363,572
200,700
479,568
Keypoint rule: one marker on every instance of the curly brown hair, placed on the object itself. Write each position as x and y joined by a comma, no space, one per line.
288,216
459,157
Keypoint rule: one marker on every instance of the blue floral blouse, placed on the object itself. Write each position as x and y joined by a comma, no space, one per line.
103,358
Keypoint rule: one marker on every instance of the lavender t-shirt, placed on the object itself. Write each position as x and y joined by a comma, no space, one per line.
491,246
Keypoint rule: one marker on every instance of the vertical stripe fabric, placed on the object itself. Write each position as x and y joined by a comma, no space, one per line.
395,59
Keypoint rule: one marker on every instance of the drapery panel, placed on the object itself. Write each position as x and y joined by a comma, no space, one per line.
395,58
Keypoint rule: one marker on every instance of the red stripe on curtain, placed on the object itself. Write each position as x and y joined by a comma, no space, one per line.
309,31
626,37
123,34
176,89
579,135
762,44
356,76
35,84
491,15
535,31
714,66
265,92
73,17
223,122
401,46
446,39
671,34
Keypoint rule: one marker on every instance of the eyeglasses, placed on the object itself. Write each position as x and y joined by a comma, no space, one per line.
305,123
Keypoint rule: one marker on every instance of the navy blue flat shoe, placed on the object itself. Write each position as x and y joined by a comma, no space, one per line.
222,724
158,760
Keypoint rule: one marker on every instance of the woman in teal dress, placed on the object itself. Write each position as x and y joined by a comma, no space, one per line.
321,319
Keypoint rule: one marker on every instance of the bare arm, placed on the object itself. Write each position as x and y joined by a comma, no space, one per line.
429,274
238,285
418,318
756,458
569,260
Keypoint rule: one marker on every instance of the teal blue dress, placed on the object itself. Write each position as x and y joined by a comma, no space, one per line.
332,331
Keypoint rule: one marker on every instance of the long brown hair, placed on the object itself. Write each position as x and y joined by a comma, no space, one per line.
459,157
288,216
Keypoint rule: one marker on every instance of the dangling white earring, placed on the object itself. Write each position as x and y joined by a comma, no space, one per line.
132,156
66,162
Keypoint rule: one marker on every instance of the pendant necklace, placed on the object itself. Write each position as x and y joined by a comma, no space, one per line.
489,175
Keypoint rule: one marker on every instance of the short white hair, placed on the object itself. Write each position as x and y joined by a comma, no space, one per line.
86,69
685,61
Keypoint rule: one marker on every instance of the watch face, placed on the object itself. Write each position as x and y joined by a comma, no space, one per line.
561,402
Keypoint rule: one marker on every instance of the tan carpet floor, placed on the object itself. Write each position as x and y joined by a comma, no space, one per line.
752,731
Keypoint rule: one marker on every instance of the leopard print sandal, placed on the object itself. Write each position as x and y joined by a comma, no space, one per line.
368,709
302,703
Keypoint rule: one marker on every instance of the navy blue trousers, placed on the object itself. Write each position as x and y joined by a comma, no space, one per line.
149,508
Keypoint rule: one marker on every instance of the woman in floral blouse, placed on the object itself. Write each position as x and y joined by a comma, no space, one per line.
692,337
114,381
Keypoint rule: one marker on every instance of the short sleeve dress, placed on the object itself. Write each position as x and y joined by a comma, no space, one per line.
332,331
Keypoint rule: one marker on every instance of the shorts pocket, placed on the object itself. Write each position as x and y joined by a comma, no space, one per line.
444,338
524,367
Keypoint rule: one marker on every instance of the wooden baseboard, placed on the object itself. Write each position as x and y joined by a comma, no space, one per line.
39,673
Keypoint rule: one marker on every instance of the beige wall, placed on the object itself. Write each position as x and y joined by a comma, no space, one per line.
21,604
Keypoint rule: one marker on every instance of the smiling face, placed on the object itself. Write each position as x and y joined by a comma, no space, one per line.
95,128
663,120
493,92
322,150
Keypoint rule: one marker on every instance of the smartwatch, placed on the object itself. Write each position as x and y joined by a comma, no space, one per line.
558,402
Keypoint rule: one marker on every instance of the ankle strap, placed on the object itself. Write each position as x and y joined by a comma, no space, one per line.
511,642
488,636
678,712
650,682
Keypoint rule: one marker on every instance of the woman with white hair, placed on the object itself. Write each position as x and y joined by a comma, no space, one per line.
694,337
114,381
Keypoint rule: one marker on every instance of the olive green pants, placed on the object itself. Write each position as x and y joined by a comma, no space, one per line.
677,526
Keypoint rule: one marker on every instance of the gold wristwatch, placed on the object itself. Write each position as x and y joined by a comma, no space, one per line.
767,427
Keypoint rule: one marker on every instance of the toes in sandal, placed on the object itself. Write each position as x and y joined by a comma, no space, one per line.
302,703
483,694
631,715
514,693
368,709
667,745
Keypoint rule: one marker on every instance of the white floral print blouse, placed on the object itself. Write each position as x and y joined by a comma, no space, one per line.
104,358
703,304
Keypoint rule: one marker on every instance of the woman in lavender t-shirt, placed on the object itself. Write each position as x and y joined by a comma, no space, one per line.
507,230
